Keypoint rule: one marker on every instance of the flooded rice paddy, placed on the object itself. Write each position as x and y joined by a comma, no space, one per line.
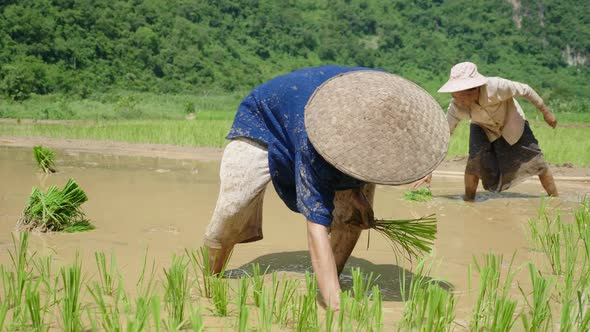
164,205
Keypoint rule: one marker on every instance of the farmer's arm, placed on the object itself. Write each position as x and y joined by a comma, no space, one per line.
324,265
315,200
507,89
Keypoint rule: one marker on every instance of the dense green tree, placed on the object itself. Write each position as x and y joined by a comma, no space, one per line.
80,46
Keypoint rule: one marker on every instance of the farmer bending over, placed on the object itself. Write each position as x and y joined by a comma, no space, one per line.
323,136
502,148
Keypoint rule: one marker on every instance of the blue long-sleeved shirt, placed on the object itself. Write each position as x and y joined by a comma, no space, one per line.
273,114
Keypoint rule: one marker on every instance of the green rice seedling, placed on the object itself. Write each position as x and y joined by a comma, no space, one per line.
15,280
202,266
110,311
35,310
285,300
494,311
107,273
4,306
137,321
376,313
156,310
345,322
329,320
243,318
428,307
361,284
177,289
242,294
257,283
196,320
55,210
146,282
220,296
42,266
45,158
538,317
307,306
418,195
265,312
170,325
71,283
410,237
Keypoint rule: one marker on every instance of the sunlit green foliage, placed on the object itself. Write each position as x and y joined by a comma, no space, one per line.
170,46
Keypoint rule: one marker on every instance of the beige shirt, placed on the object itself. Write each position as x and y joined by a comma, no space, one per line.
497,112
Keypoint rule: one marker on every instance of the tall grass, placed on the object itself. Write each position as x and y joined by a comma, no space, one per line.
175,132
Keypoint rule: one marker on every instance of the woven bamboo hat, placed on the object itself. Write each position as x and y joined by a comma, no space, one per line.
377,127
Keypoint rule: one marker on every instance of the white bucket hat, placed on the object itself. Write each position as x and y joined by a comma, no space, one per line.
464,76
377,127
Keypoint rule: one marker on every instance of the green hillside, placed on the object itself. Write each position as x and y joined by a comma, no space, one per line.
190,46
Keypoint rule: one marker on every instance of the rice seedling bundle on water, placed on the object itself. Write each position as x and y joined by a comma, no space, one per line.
55,210
45,158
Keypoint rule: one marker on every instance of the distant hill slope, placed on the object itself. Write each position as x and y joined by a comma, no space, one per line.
81,46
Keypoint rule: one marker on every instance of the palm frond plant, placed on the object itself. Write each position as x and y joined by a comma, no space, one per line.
409,237
45,158
56,210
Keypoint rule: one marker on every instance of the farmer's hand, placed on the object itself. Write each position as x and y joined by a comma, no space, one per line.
425,180
549,116
363,216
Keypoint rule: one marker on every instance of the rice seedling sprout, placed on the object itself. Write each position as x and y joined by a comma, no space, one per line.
538,317
71,283
177,289
220,296
196,320
493,310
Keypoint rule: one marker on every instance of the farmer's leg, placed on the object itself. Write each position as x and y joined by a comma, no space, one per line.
237,217
548,183
471,183
482,164
344,234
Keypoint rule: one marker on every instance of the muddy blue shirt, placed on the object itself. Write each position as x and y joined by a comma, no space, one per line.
273,114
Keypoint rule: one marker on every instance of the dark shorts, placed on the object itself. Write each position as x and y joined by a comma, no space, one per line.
500,165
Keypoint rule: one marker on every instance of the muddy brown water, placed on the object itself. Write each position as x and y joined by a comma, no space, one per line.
164,205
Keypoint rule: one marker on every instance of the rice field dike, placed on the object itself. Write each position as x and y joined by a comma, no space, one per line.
189,120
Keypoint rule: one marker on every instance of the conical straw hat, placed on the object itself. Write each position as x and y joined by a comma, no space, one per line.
377,127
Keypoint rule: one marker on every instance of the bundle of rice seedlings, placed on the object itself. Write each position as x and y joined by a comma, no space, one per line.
45,158
418,195
411,237
56,210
